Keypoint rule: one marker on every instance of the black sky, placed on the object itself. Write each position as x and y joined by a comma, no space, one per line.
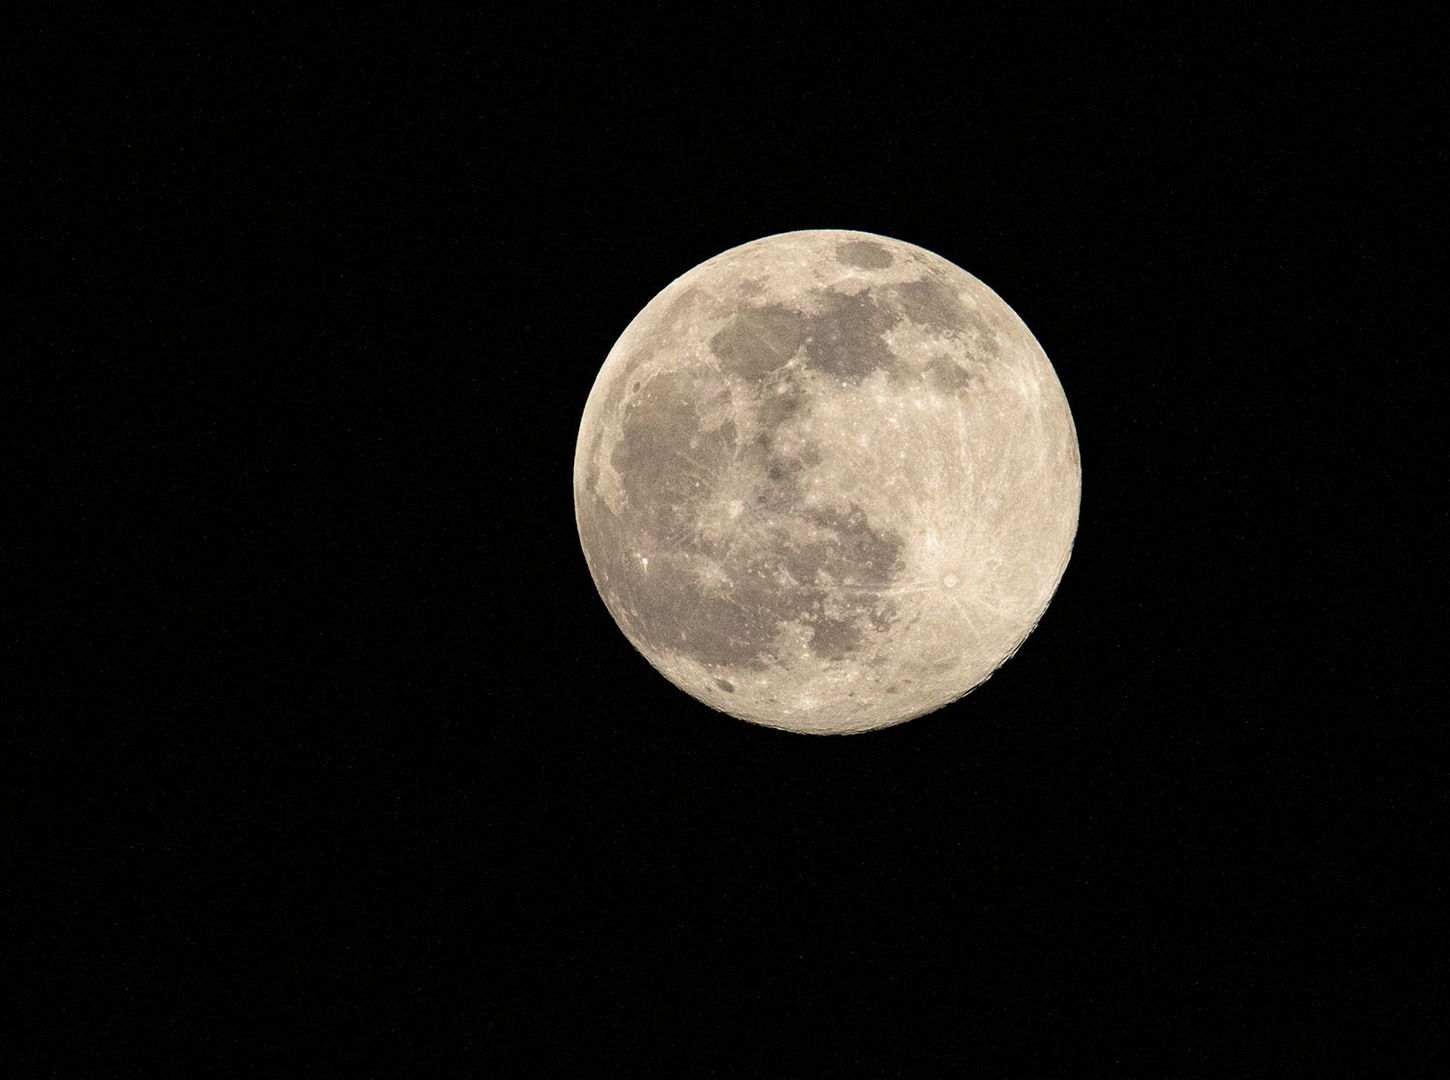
340,758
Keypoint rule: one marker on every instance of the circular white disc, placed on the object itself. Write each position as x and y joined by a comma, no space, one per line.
827,481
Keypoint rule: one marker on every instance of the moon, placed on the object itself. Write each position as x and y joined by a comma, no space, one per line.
826,481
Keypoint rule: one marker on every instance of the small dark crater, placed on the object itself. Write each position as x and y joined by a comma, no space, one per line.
634,387
865,254
892,688
726,685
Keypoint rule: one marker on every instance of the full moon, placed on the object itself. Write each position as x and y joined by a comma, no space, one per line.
826,481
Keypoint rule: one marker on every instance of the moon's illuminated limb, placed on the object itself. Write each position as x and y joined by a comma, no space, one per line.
826,481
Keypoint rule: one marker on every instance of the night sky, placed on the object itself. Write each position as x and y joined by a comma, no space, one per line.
334,762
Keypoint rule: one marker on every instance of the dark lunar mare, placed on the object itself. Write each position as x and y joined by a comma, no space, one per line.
723,601
865,254
845,339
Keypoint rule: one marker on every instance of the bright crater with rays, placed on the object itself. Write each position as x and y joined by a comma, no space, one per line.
827,481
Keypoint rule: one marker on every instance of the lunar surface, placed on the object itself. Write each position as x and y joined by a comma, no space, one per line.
826,481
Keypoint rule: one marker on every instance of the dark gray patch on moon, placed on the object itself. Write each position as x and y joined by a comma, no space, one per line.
835,639
845,339
673,610
932,304
946,375
726,685
662,427
865,254
858,554
758,340
671,323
